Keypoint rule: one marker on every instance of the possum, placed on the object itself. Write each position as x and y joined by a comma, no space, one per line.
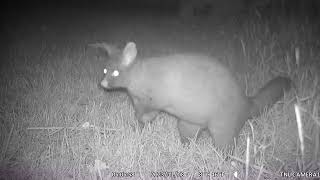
196,89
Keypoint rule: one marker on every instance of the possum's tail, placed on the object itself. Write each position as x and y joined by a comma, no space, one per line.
269,94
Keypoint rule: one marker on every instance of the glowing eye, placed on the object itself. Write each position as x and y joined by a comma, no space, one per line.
105,71
115,73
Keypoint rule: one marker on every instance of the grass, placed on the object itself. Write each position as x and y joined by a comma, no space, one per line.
57,124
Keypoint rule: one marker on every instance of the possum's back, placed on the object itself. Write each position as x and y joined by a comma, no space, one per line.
195,87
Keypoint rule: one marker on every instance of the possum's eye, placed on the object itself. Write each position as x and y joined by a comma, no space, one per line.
115,73
105,71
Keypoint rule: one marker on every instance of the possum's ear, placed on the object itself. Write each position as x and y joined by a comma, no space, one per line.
129,53
109,49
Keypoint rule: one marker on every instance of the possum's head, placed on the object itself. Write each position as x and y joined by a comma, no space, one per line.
116,72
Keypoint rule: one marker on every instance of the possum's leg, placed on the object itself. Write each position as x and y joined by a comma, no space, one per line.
143,112
149,116
223,134
140,110
145,117
187,130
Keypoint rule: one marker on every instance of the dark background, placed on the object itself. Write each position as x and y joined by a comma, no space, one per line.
19,7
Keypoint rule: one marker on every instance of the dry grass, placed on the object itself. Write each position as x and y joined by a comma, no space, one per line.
57,124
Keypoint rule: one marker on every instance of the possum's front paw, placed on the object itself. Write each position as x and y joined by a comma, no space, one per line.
148,117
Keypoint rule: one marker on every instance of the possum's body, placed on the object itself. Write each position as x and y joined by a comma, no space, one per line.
198,90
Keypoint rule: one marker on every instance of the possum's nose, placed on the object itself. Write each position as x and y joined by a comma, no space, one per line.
104,83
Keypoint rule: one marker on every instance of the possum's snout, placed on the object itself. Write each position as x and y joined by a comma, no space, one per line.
104,83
